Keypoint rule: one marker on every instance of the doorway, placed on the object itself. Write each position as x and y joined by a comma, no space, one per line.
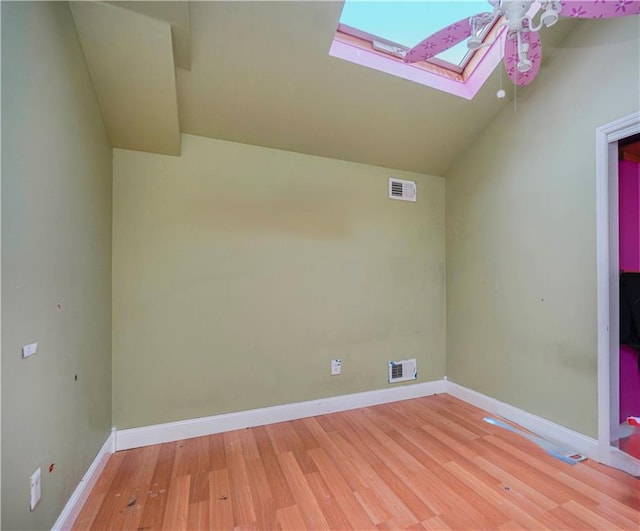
629,263
608,137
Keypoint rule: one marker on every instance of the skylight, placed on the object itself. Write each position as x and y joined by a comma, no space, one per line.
407,23
377,34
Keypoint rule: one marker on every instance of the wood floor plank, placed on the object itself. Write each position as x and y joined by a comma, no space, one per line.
156,500
391,496
240,494
302,493
126,506
277,483
289,518
415,527
357,464
513,484
375,508
326,421
111,503
220,502
462,449
535,465
217,456
263,502
191,455
624,489
346,429
440,499
574,487
419,507
352,475
437,450
471,501
587,515
138,493
511,526
494,497
569,519
616,519
307,439
328,505
286,439
340,489
426,463
451,425
176,514
198,515
435,524
248,443
88,513
199,489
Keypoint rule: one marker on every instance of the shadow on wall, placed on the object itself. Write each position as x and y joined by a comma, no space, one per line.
298,215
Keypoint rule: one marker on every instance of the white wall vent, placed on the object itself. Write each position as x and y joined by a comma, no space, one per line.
401,371
402,190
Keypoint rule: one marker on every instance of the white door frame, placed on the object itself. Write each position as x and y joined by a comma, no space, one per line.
607,137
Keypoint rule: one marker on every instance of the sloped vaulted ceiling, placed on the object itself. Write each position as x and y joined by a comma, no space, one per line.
260,73
131,61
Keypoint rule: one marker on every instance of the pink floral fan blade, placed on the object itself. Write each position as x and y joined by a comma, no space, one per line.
600,8
511,57
440,41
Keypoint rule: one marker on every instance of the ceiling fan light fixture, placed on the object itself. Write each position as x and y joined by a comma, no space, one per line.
524,65
549,18
522,32
516,13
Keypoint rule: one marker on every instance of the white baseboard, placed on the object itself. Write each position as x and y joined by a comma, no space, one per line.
184,429
81,493
623,461
566,437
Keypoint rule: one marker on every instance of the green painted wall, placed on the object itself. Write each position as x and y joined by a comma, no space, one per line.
521,234
56,249
239,272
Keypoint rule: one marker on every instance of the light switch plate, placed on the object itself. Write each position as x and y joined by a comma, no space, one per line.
36,489
29,350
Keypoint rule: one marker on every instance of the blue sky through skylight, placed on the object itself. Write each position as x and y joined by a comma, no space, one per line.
408,23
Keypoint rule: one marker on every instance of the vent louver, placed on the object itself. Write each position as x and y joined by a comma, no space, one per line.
402,190
401,371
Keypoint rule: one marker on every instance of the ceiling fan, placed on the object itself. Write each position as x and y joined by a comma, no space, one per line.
522,49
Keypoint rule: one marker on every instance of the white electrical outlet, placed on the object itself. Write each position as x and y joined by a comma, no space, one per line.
36,489
29,350
336,367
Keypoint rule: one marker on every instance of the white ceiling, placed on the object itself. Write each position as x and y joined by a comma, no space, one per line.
260,73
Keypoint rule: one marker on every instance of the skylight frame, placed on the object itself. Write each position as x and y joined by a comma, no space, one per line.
373,39
455,68
366,45
465,84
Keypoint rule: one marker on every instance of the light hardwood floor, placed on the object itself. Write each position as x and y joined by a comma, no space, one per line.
427,463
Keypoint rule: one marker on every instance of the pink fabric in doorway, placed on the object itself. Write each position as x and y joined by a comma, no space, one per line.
629,213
